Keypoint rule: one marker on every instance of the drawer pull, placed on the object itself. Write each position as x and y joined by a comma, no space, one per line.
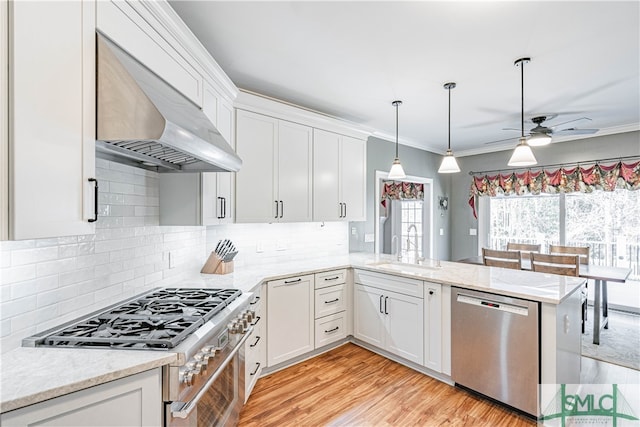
332,301
256,322
255,343
256,371
95,200
255,301
332,330
286,282
332,278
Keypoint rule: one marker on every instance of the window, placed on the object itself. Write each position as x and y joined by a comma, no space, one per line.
606,221
411,216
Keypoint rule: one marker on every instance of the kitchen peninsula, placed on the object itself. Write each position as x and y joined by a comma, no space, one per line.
556,295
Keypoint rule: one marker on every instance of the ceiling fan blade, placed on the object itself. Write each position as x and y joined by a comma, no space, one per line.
517,130
501,140
569,121
574,131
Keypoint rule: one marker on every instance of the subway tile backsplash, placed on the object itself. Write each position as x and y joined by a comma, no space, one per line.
46,282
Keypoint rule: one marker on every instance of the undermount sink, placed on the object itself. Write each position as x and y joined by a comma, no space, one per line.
408,268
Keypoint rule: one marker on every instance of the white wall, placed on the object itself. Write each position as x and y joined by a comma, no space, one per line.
46,282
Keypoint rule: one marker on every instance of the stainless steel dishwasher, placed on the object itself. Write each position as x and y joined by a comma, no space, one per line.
495,347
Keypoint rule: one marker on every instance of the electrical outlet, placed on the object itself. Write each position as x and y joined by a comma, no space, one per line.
172,261
473,232
442,231
369,237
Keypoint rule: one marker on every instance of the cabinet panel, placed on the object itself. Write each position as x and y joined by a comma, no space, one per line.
131,401
256,138
368,322
326,186
331,278
330,329
433,326
52,118
405,330
290,328
353,178
403,285
294,172
330,300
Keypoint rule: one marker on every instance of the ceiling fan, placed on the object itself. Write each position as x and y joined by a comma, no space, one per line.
541,135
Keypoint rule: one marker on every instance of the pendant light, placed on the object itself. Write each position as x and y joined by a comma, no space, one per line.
449,163
396,171
522,155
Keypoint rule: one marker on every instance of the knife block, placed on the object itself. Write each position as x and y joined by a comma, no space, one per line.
215,265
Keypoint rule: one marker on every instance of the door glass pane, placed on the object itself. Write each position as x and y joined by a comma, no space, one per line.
411,216
609,223
523,219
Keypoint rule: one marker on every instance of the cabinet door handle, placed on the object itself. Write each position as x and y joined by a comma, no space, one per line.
332,278
224,207
95,200
276,209
331,330
345,210
287,282
431,292
381,296
340,216
219,216
255,343
385,305
255,301
281,208
332,301
256,322
256,371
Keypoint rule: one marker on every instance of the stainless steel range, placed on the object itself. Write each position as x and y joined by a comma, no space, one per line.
206,328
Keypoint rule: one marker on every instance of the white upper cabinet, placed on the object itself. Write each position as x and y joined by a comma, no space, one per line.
51,118
274,183
339,177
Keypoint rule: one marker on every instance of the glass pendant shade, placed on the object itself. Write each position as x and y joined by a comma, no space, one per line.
539,139
522,155
396,171
449,164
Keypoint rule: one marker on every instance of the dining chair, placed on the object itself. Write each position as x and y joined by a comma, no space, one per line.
582,251
524,247
504,259
566,265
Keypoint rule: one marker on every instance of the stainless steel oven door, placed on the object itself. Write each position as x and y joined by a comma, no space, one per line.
220,400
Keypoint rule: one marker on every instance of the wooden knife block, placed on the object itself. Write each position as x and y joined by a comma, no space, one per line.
215,265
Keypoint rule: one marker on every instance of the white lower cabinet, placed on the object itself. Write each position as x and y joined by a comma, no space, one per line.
332,302
433,326
387,319
331,328
254,350
290,314
132,401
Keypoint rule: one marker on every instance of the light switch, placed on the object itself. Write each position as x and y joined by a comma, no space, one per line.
473,232
442,231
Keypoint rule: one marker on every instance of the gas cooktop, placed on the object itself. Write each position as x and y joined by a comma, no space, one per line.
157,320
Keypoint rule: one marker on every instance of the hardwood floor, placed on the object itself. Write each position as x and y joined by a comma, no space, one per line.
353,386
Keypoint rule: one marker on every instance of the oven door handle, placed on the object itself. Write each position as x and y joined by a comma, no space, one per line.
190,406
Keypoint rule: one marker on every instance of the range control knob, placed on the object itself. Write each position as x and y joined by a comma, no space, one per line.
186,377
202,361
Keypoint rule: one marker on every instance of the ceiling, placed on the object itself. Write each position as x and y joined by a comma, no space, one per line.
352,59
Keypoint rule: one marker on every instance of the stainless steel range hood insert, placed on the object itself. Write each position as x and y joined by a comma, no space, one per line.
141,119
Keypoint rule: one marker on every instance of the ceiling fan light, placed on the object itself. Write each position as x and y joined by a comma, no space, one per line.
522,155
539,139
396,171
449,164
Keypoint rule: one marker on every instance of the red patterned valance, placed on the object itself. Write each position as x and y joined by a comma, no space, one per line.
401,191
563,180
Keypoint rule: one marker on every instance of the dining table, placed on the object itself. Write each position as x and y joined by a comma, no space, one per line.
600,274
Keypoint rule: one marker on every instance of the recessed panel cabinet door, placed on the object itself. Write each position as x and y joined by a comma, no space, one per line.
353,178
369,322
295,148
52,118
405,320
256,139
326,185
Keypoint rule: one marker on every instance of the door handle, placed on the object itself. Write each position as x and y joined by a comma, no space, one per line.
256,371
224,207
255,343
332,301
345,210
95,200
276,209
281,208
381,312
340,216
219,216
385,305
287,282
331,330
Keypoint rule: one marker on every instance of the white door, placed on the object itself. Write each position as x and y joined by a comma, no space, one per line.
353,178
404,318
290,325
256,138
368,316
52,118
295,150
326,186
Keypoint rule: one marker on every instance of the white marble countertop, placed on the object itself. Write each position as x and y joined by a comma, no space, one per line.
31,375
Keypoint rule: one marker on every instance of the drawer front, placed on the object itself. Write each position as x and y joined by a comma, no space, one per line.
330,278
330,300
330,329
388,282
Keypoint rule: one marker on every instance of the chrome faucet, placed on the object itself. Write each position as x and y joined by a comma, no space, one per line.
397,247
415,242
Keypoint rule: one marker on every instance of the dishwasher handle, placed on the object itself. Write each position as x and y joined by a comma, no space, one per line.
493,305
